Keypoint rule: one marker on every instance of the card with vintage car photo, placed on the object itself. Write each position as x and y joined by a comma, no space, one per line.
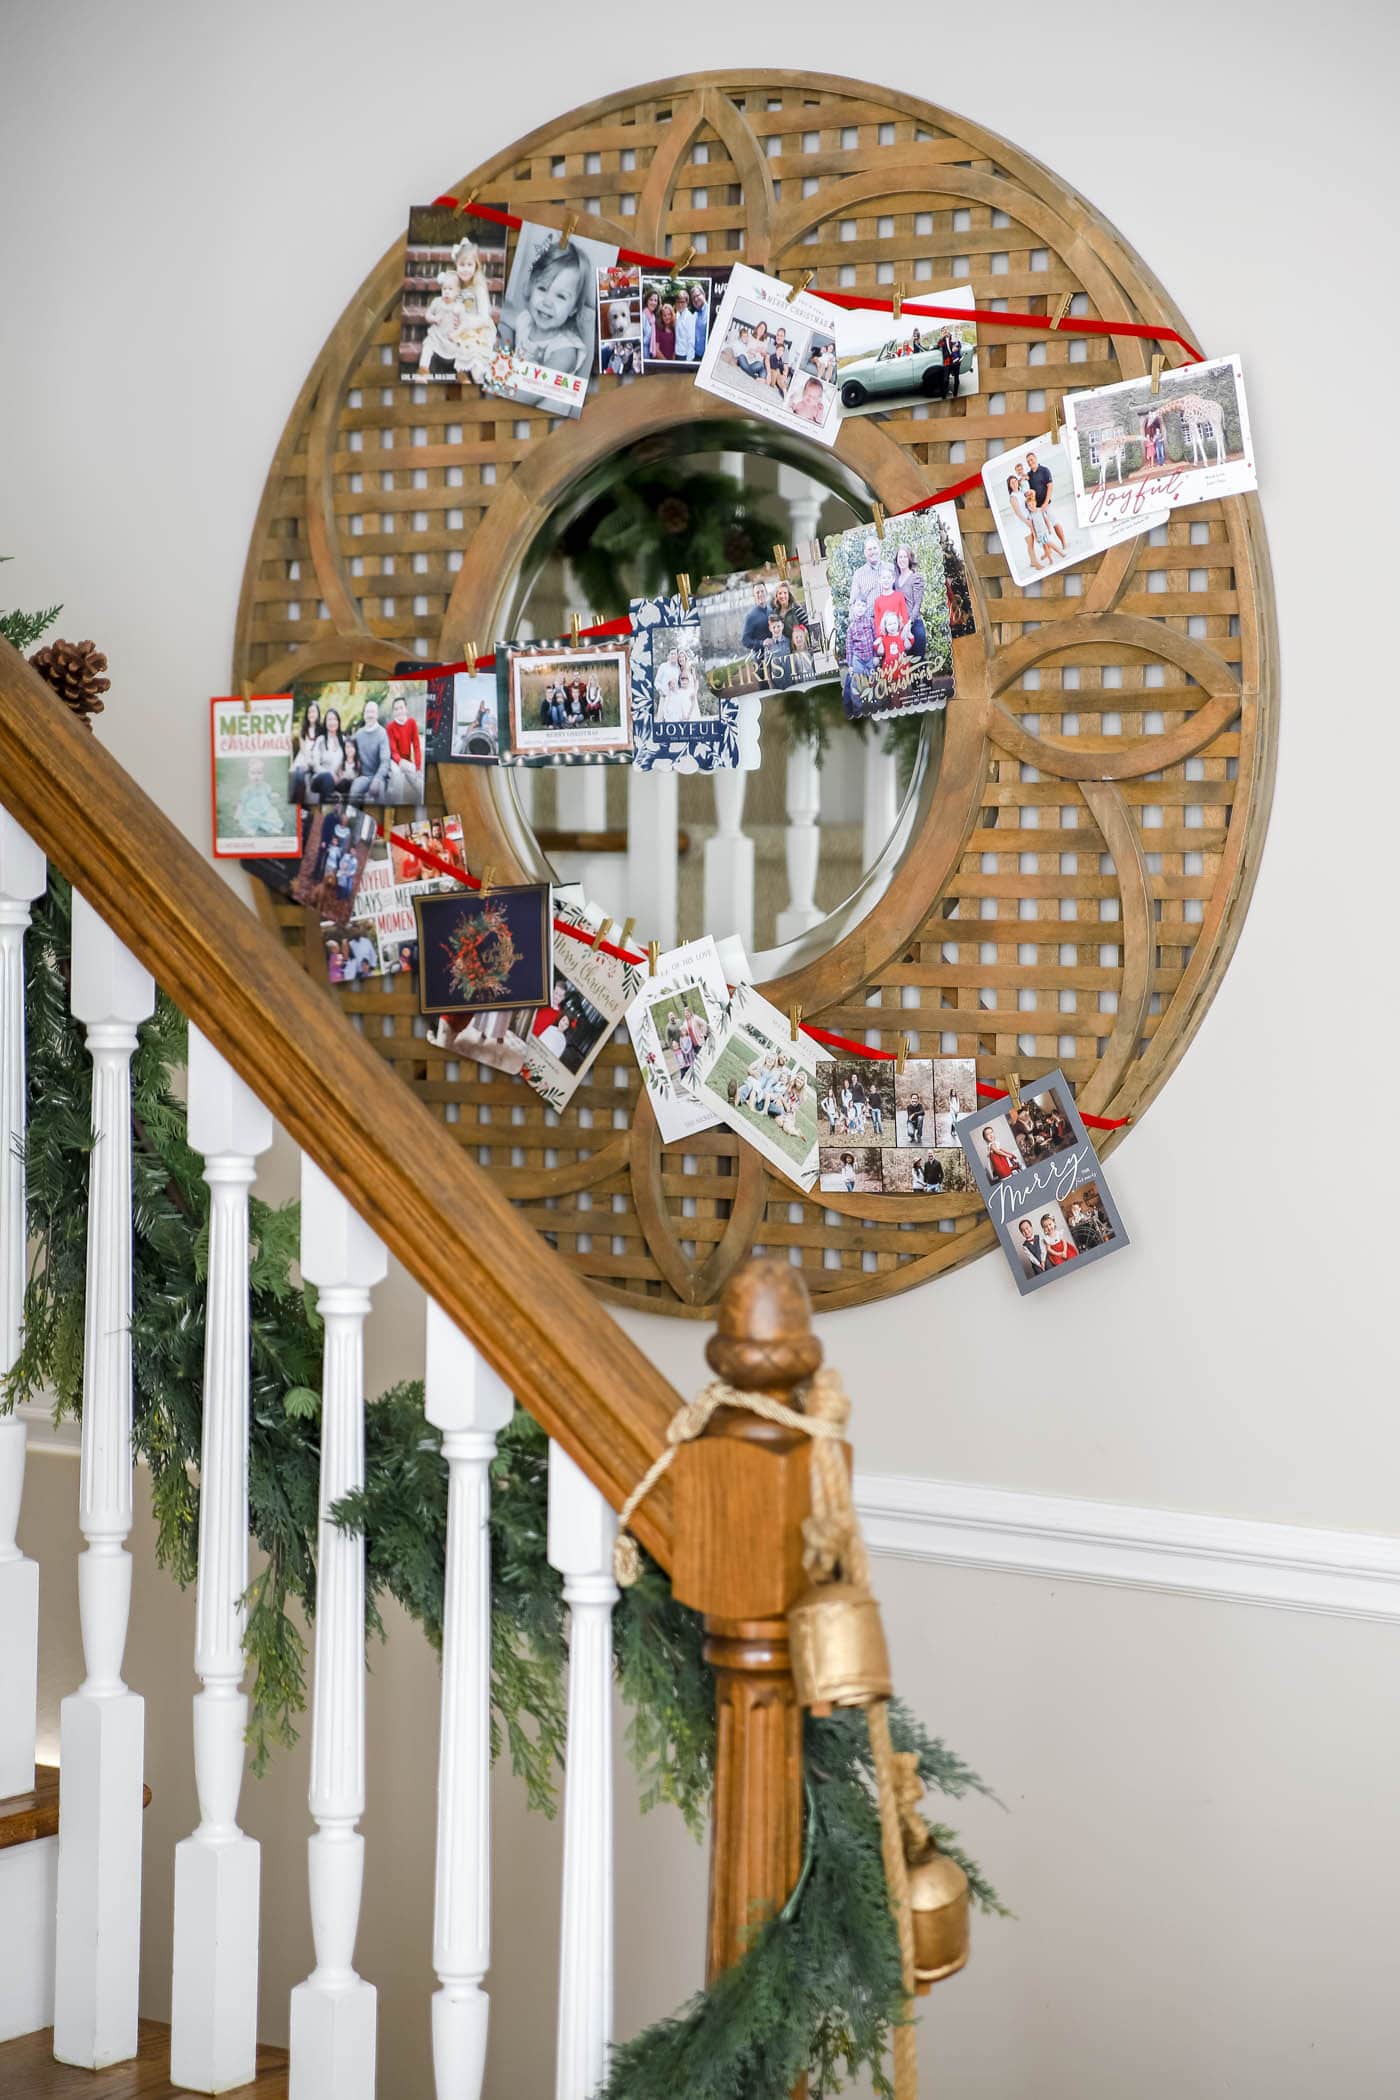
758,633
677,311
359,740
1031,493
250,771
337,843
589,992
549,320
884,364
764,1085
679,723
562,706
768,350
671,1022
893,610
1052,1211
454,277
1134,453
478,952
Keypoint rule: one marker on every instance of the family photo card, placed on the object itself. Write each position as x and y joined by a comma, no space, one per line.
764,1085
882,363
759,632
250,770
892,610
477,953
887,1132
1134,452
1042,1183
562,706
672,1021
549,320
359,740
588,994
1031,493
772,351
454,278
338,840
679,722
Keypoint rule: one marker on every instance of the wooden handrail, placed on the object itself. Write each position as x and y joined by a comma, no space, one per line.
528,1313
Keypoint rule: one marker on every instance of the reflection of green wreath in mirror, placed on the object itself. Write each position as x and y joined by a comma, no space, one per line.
481,954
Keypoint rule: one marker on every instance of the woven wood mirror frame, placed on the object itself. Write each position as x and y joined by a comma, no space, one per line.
1083,868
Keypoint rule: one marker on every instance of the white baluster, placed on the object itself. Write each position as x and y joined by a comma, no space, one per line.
467,1401
581,1532
334,2013
803,842
653,866
729,864
102,1729
880,797
214,2002
22,879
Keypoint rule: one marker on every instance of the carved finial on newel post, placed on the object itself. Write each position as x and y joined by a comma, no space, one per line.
743,1491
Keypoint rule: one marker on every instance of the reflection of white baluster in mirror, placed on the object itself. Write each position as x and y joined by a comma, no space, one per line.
653,847
729,863
802,841
880,800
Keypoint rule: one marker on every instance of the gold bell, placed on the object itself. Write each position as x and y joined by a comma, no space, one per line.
942,1933
839,1657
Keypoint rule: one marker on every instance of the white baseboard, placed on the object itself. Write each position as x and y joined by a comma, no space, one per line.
1237,1560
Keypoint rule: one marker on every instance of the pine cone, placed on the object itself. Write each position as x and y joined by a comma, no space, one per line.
74,670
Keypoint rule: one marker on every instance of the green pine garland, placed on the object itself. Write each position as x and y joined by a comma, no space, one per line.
818,1988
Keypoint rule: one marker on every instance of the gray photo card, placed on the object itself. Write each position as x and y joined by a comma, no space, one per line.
1041,1181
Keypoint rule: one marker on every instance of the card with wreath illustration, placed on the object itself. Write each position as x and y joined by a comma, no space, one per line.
482,954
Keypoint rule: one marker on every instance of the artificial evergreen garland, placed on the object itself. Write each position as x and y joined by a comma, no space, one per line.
819,1986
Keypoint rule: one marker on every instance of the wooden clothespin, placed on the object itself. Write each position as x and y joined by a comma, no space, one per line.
355,675
468,201
1157,363
567,230
794,1021
685,262
1013,1088
653,957
391,821
575,623
879,511
470,653
780,559
1062,307
1052,403
683,590
901,1055
626,934
486,880
898,300
601,934
247,696
807,277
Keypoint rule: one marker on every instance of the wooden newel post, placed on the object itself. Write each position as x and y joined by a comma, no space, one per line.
742,1493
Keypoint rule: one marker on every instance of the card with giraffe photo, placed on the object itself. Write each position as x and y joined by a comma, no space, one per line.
1041,1181
1133,452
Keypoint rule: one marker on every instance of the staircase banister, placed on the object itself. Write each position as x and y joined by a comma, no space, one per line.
531,1317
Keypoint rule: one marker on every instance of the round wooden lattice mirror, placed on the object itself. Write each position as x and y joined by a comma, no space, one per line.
1082,861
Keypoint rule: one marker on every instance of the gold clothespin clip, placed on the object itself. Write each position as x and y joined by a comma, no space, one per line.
471,659
355,675
1013,1088
566,231
807,277
683,591
879,511
247,696
601,934
574,625
486,880
685,262
626,934
898,301
465,203
794,1021
1052,402
901,1055
1062,307
1157,363
391,821
780,559
653,957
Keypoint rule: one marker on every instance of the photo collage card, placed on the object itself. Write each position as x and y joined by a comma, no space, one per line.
587,995
772,351
564,706
887,1132
1042,1183
380,939
1031,493
672,1021
895,598
250,760
759,634
454,279
549,320
359,741
765,1085
679,722
883,363
1134,453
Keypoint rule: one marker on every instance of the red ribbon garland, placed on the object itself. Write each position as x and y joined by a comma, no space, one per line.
1083,325
818,1035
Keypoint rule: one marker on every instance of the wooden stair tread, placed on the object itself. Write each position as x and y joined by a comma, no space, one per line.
28,2072
24,1817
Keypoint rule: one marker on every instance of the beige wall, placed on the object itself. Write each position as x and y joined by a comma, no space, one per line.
1202,1839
